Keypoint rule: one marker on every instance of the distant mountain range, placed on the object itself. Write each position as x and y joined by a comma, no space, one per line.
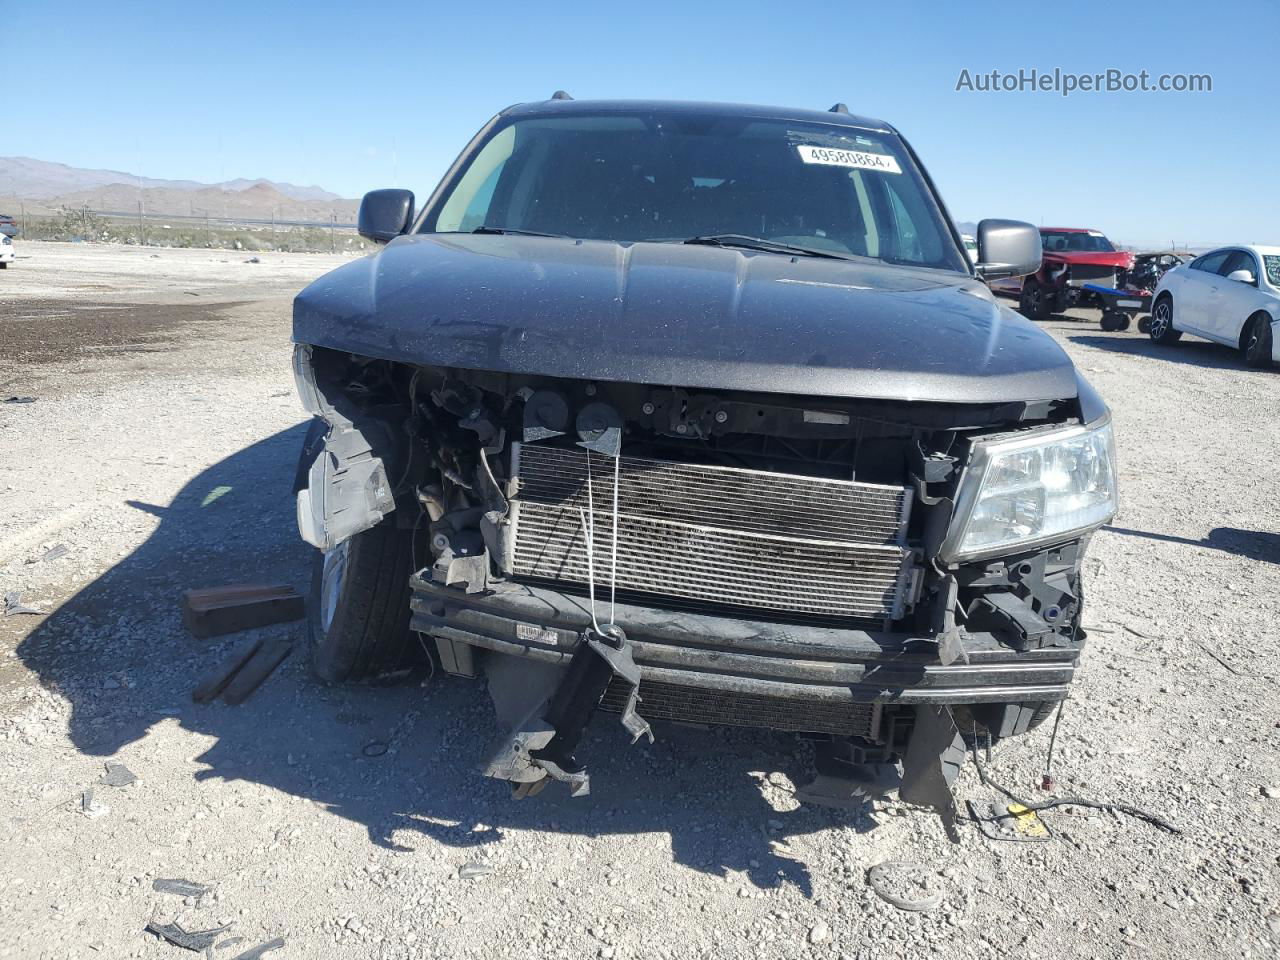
42,185
31,179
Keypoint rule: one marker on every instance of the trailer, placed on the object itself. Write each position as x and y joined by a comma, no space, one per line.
1119,307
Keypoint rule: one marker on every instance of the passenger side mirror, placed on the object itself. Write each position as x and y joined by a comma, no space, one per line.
1241,276
385,214
1007,248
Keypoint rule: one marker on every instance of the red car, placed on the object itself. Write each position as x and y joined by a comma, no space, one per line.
1073,256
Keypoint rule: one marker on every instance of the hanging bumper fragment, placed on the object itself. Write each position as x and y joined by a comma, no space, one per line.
543,746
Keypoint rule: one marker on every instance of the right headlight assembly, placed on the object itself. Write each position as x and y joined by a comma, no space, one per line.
1023,492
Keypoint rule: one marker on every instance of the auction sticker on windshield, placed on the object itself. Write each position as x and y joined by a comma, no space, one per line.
857,159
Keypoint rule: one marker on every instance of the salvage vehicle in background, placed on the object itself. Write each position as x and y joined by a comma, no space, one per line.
1149,267
1230,295
1073,257
8,227
700,413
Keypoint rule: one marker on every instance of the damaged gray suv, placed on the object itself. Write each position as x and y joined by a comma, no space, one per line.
695,412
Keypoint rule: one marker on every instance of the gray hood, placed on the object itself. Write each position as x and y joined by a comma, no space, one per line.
680,315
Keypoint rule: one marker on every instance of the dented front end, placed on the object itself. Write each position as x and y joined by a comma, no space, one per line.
775,561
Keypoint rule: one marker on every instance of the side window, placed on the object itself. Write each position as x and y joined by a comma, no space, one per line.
1239,260
908,238
1210,262
903,223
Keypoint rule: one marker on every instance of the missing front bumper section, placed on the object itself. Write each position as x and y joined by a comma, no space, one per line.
705,653
842,685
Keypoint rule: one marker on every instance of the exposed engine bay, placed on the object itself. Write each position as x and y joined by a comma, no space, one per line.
759,560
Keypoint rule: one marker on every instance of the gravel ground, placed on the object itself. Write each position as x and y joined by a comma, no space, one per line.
159,452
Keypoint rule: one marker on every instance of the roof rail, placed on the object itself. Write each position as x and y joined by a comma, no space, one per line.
561,95
838,108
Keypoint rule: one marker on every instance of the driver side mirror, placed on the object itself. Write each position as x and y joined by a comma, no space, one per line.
1241,276
1007,248
385,214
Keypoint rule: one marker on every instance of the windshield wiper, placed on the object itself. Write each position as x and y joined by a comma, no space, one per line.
517,232
760,243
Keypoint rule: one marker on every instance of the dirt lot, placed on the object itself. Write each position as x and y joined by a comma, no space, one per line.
159,451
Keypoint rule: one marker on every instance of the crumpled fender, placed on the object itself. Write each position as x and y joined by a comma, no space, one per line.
341,483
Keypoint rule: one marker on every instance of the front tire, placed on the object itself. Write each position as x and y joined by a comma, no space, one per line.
358,617
1256,342
1160,329
1033,303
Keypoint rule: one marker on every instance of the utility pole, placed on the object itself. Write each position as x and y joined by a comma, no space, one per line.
142,226
24,218
333,231
208,234
273,228
84,218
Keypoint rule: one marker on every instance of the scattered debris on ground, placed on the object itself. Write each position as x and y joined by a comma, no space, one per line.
215,611
14,606
908,886
243,672
260,666
216,680
180,887
53,553
196,940
91,807
117,775
1008,821
255,952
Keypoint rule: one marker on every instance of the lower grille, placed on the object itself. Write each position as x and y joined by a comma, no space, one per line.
1082,273
669,701
716,536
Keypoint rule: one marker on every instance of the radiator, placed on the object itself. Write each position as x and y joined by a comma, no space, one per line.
713,536
670,701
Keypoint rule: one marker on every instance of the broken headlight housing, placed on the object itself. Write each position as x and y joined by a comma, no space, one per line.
1028,491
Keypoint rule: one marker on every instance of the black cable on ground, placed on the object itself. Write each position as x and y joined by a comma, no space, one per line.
1053,739
1151,818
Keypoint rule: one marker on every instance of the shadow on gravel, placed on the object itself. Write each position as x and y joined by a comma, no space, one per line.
1250,544
117,650
1198,353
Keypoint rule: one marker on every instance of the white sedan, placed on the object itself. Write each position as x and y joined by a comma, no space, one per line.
1230,295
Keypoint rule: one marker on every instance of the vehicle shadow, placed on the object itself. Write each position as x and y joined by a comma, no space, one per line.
1199,353
399,761
1250,544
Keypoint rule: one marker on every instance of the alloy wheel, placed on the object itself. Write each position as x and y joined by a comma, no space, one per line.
1161,320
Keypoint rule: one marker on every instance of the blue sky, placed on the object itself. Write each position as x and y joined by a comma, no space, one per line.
353,96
